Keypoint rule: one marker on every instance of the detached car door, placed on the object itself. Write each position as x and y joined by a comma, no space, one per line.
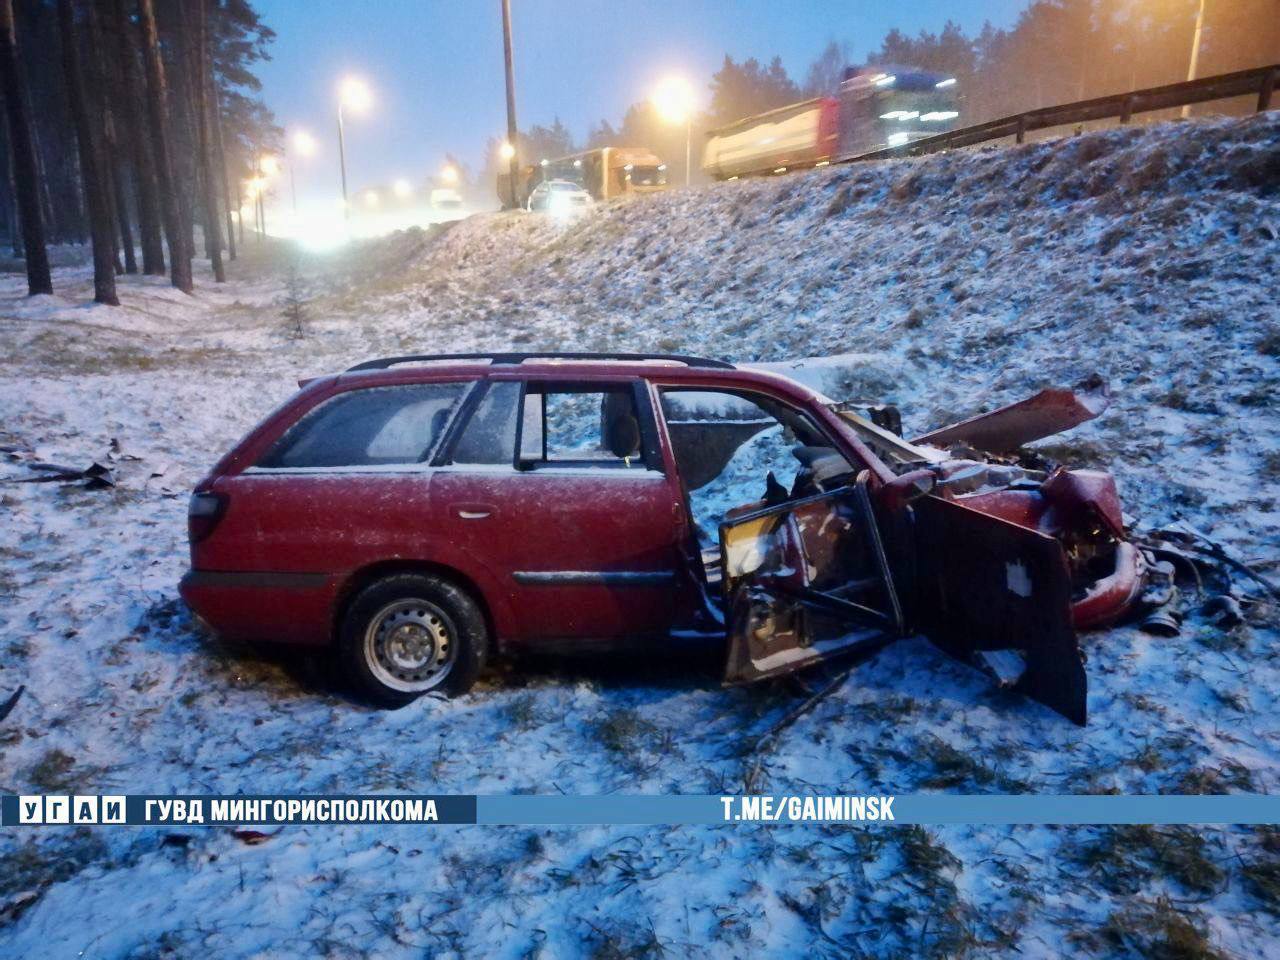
804,581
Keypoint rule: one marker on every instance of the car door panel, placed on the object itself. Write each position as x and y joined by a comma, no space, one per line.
804,581
583,554
984,584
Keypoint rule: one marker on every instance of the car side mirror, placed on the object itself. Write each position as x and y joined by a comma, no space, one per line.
901,492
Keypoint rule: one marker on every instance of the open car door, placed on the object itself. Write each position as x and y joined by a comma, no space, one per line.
998,596
804,581
809,579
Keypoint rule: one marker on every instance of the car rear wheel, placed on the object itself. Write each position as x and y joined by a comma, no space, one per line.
411,634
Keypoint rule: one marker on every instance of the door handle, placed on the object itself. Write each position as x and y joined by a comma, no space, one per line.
473,511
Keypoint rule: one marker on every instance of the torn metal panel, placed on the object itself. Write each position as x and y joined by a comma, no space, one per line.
1003,430
986,584
1075,494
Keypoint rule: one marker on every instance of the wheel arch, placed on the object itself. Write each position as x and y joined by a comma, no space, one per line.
362,577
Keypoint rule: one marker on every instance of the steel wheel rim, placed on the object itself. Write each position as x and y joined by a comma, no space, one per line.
410,645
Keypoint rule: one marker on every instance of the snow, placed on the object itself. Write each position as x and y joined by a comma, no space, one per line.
946,285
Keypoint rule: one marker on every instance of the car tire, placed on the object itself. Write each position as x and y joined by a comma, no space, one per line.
411,634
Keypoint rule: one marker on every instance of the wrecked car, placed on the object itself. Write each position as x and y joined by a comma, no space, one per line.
420,514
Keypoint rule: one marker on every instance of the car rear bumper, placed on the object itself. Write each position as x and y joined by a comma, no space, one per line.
254,605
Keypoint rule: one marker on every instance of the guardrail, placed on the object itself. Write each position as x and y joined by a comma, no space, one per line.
1261,80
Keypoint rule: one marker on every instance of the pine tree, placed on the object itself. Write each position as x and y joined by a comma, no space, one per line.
158,115
134,132
91,166
212,217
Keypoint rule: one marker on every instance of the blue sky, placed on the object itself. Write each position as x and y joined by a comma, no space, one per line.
436,65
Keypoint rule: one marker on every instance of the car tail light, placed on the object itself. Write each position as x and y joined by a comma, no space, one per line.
203,513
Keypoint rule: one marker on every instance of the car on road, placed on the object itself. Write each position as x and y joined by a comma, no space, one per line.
446,198
559,198
421,514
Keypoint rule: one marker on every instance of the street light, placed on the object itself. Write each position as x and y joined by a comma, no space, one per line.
449,174
673,99
1195,54
353,94
401,188
507,151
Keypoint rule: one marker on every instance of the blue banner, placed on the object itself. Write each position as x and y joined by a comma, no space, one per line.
729,810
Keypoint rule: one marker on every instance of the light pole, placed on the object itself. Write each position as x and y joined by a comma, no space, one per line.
304,145
353,93
673,99
1195,54
509,148
268,167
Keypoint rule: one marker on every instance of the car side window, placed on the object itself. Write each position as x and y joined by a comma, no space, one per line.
736,449
489,437
558,425
581,426
371,427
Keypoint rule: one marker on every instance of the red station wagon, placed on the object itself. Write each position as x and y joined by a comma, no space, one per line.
422,513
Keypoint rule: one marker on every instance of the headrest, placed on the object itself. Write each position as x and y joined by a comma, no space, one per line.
624,435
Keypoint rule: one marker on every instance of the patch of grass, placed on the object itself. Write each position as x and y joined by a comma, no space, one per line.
623,731
1234,640
1177,398
1262,881
53,771
522,712
1074,453
1269,343
1271,465
953,767
622,941
924,854
51,858
1155,930
1126,858
1224,778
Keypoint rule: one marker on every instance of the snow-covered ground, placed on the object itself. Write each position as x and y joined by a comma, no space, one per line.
946,285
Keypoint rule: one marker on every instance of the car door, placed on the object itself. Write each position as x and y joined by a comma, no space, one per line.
811,578
585,545
804,581
998,595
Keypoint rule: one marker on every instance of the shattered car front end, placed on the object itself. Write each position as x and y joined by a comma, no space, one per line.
995,554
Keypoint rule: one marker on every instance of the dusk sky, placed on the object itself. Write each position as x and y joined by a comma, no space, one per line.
435,66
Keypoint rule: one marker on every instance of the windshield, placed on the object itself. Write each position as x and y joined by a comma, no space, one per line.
648,176
892,449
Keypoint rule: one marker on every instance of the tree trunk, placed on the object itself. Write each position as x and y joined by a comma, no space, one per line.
15,221
26,181
112,155
220,160
158,112
134,131
91,168
212,224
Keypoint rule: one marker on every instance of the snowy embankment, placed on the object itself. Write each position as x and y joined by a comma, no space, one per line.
945,285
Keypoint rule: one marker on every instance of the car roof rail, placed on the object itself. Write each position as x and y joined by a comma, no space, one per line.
505,358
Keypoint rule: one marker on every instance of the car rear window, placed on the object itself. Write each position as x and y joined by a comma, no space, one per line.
376,426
